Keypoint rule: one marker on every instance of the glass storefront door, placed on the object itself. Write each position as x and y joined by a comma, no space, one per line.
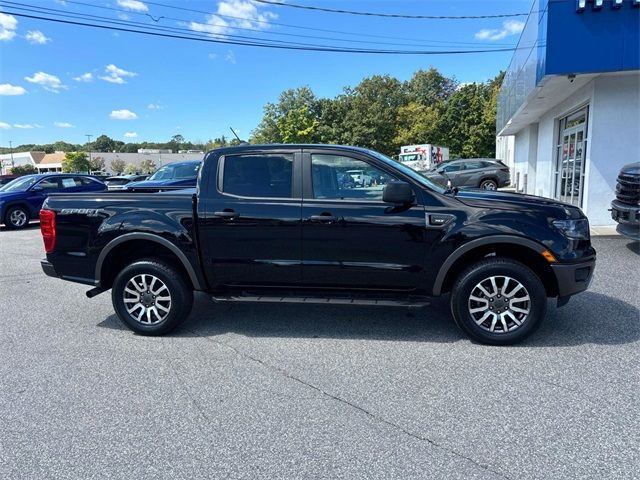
570,158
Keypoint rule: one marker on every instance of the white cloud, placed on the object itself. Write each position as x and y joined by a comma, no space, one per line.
5,126
123,114
213,56
245,13
130,135
123,16
510,27
85,77
134,5
47,81
8,26
8,89
230,57
27,125
155,106
63,125
116,75
36,37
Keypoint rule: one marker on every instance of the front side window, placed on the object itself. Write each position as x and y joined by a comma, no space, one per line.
50,184
259,175
452,168
344,178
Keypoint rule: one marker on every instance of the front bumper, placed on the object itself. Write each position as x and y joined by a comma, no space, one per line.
573,278
48,269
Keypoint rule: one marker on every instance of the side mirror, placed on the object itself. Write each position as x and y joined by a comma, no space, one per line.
397,193
37,188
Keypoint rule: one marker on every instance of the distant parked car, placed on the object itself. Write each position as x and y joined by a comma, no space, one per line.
22,198
120,182
360,178
484,173
4,179
173,176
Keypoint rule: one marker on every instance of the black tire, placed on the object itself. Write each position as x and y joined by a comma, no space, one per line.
488,184
499,268
180,293
13,223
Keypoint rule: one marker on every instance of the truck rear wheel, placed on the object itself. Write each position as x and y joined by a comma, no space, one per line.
151,297
498,301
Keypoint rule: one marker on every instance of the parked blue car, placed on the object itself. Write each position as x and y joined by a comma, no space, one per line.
22,198
173,176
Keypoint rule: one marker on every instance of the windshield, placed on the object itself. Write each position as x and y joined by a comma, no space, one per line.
175,172
21,184
410,172
412,157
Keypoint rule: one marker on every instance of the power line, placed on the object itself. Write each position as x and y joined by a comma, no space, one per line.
270,23
262,44
85,16
391,15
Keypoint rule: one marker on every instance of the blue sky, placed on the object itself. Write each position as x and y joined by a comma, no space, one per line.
60,82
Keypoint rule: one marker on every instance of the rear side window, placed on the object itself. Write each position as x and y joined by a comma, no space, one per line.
263,175
474,165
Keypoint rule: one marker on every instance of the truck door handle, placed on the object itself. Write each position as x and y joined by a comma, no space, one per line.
227,213
323,217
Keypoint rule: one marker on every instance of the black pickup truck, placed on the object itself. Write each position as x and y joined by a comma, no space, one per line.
288,223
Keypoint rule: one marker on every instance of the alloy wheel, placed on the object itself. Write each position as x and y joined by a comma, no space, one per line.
147,299
499,304
18,218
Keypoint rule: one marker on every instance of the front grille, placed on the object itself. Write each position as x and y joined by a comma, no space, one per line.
628,189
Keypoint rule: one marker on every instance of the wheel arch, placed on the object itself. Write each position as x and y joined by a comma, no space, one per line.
523,250
134,246
489,177
17,203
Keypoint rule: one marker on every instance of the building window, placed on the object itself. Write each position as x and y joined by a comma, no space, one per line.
570,159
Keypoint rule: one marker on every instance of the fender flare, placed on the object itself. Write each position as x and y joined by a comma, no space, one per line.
479,242
151,238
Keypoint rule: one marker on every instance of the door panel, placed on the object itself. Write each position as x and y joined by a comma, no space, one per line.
350,238
250,231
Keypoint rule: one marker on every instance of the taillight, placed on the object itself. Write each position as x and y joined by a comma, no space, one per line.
48,229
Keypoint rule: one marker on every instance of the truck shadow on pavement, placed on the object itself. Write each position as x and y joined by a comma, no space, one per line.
634,246
590,318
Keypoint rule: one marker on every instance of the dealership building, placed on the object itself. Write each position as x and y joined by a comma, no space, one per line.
569,107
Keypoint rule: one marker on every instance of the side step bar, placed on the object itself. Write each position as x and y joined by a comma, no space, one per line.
315,300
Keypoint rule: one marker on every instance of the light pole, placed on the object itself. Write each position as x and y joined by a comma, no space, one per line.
88,135
11,152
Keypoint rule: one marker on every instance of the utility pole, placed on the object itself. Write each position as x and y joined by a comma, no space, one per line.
88,135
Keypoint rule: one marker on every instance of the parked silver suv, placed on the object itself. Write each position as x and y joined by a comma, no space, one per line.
485,173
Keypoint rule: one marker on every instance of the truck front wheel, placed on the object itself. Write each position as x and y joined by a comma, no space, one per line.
498,301
151,297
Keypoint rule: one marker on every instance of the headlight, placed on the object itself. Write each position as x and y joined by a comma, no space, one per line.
574,229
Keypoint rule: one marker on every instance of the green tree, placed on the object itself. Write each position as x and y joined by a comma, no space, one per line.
118,166
75,162
103,144
96,164
147,166
418,124
298,126
371,113
27,169
291,116
430,87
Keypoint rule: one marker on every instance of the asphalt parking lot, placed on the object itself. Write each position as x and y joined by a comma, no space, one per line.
246,391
